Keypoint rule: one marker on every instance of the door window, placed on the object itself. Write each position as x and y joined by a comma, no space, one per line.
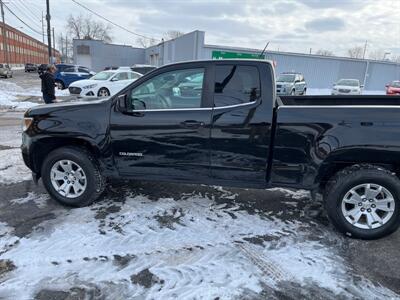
69,69
170,90
83,70
121,76
132,75
236,84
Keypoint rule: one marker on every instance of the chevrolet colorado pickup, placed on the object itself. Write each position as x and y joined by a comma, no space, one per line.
220,122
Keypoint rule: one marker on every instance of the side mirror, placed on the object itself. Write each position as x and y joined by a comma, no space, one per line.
122,103
138,104
114,79
361,85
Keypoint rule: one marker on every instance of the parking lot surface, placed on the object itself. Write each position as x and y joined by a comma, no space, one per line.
146,240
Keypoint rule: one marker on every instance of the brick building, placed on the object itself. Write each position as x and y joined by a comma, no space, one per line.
23,48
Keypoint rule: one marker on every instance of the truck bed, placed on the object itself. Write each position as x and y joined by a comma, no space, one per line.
339,100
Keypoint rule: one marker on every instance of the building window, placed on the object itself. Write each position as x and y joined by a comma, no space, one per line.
83,49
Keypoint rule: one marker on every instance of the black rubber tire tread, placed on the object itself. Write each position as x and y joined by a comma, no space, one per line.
96,181
62,84
349,177
103,88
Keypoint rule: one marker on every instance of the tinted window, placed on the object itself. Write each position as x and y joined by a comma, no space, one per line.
170,90
133,75
142,70
68,69
236,85
122,76
83,70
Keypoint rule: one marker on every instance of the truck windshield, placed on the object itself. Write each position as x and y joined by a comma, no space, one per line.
348,82
396,84
103,75
286,78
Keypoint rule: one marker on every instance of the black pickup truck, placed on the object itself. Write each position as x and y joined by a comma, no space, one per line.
221,123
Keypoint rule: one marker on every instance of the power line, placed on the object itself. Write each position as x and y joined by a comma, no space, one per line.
23,12
21,19
28,9
115,24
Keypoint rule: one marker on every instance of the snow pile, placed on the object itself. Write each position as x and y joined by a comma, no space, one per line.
12,167
186,248
12,95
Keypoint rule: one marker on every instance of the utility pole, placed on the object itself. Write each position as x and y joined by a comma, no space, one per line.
42,28
54,44
66,48
365,49
4,35
48,29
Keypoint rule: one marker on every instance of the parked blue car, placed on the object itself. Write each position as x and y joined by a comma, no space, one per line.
66,74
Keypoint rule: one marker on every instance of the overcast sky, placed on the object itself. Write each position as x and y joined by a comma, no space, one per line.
289,25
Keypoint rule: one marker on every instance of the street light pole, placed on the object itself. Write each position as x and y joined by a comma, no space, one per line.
48,30
5,48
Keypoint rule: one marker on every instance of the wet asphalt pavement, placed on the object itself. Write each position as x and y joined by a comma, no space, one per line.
152,216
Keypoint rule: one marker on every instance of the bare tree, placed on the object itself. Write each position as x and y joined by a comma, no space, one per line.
355,52
169,35
84,27
324,52
145,43
172,34
377,54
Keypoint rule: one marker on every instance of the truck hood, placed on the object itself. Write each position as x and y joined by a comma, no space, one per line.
346,87
284,83
77,103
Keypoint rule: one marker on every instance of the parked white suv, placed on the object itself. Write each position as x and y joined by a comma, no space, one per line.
347,87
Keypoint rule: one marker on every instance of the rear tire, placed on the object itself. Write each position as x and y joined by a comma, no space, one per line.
60,85
358,201
58,175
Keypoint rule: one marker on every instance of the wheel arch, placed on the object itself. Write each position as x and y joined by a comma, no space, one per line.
47,145
342,159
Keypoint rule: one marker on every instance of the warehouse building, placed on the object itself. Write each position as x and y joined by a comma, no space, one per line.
320,71
22,48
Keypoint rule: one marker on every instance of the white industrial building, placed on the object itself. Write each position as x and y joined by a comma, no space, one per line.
319,71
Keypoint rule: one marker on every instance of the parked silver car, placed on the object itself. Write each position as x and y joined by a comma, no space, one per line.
291,83
5,71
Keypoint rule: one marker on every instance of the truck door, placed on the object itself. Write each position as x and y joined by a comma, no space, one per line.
165,132
241,123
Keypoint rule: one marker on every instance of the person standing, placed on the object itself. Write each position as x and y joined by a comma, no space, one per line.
49,84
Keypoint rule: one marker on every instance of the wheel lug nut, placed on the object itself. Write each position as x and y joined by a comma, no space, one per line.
370,200
369,210
362,209
65,177
68,182
373,205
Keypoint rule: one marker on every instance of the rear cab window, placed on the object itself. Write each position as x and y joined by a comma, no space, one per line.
236,84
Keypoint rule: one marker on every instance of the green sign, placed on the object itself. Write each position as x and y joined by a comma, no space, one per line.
225,54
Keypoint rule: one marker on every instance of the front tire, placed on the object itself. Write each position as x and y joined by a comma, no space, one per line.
72,176
363,201
103,92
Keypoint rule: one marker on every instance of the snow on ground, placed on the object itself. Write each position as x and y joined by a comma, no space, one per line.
13,95
186,248
12,168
